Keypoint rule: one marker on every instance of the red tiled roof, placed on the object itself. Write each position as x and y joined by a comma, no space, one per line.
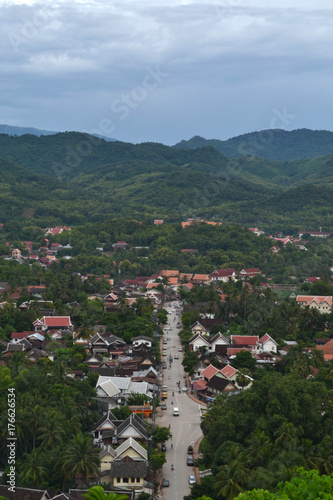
20,335
244,339
169,272
56,321
200,385
264,338
223,272
209,372
232,351
200,277
228,371
319,299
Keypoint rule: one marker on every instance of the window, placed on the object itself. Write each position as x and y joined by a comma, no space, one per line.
118,479
138,480
132,479
125,480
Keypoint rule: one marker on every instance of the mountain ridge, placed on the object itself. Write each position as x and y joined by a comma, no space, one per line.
271,144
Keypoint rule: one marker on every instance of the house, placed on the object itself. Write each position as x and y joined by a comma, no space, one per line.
256,231
218,385
223,275
209,372
36,289
129,472
54,247
315,234
211,343
287,239
327,350
275,249
322,303
266,343
16,254
250,341
266,358
98,344
24,493
111,301
47,323
230,373
246,274
107,456
185,277
312,279
168,273
200,279
158,222
114,391
56,230
197,327
189,250
120,245
142,340
132,427
108,423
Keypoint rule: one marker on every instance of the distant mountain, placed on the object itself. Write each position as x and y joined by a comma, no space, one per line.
272,144
8,129
77,178
18,131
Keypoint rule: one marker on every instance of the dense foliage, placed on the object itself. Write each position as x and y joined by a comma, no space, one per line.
73,177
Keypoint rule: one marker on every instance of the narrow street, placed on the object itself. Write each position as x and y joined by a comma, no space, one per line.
185,428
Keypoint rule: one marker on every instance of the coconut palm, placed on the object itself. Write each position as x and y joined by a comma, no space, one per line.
260,448
31,471
286,436
243,378
231,478
52,432
79,459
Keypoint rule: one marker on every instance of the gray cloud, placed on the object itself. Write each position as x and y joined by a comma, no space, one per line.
226,65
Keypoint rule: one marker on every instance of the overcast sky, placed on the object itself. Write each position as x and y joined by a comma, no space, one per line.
158,70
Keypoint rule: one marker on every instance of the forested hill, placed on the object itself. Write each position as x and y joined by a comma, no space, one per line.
66,155
272,144
75,177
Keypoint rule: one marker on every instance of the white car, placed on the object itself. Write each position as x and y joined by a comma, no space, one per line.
191,480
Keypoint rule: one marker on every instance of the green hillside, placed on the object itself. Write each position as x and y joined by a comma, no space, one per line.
76,178
272,144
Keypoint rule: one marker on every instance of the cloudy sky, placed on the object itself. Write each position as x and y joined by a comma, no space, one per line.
166,70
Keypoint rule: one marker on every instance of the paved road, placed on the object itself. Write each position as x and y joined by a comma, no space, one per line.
185,428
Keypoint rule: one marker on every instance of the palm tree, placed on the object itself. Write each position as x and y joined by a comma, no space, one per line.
243,378
231,480
79,459
286,436
317,358
231,477
32,415
52,433
32,472
261,448
97,493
